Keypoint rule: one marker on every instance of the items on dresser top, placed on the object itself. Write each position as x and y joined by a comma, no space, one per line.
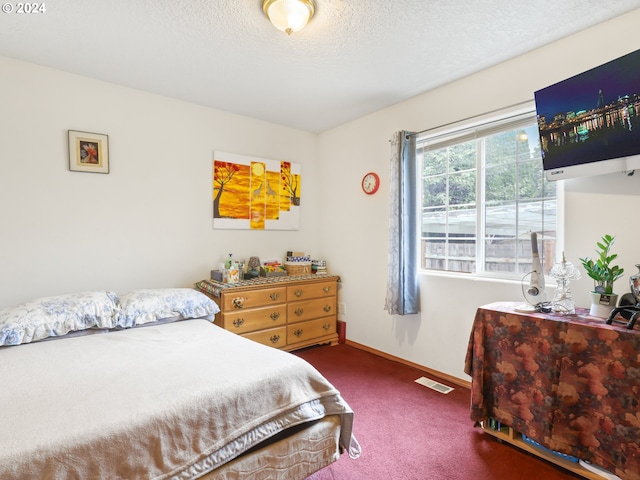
233,271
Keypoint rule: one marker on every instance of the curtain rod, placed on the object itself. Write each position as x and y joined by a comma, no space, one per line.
413,134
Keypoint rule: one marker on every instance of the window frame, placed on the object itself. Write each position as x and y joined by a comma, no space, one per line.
473,128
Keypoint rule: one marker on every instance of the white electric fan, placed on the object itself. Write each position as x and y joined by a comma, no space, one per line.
533,292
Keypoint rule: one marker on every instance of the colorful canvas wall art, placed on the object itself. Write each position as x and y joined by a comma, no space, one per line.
251,193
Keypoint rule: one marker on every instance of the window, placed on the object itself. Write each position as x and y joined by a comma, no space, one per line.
483,194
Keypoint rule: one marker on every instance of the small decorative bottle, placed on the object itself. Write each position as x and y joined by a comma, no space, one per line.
229,262
231,273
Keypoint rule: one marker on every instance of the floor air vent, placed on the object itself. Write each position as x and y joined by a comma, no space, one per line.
432,384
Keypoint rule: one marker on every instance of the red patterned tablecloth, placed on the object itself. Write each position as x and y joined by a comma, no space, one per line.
570,383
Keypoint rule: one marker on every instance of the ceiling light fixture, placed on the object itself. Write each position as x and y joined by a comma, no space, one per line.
289,15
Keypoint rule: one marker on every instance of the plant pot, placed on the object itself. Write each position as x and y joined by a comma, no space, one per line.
602,304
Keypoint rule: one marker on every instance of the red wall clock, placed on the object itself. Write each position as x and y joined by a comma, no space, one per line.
370,183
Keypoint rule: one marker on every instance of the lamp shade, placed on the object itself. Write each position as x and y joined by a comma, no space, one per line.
288,15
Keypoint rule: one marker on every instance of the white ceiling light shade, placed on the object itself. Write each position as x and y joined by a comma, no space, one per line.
288,15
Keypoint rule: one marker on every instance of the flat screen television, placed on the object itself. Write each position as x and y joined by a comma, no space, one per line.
589,124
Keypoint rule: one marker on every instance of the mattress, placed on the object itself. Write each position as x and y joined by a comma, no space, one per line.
294,457
173,401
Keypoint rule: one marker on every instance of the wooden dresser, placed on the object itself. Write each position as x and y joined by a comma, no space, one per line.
289,312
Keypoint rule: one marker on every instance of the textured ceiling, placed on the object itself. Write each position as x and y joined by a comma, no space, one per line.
354,57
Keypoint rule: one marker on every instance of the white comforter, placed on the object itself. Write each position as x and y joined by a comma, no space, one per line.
166,401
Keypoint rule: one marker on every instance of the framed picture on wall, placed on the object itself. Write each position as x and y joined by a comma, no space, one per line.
88,152
252,193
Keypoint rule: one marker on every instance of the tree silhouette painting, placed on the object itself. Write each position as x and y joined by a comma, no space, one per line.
290,183
255,193
232,181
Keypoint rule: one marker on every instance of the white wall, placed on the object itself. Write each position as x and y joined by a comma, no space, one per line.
355,225
148,223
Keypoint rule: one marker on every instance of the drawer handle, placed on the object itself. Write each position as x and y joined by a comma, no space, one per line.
326,326
275,338
238,322
238,302
274,296
298,332
327,308
326,289
275,316
298,293
299,311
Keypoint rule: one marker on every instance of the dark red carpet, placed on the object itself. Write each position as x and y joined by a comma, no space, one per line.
410,432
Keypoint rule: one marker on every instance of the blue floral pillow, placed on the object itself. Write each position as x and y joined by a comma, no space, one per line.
56,316
164,304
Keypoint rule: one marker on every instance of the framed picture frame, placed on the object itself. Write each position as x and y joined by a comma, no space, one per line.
88,152
252,193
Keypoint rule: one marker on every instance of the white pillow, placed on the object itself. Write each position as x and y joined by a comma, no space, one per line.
154,305
56,316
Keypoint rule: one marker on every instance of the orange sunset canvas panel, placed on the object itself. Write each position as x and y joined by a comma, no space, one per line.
254,193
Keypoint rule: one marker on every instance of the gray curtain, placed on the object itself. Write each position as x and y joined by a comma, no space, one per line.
402,282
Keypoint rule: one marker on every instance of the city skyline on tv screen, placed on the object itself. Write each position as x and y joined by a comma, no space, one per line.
592,116
616,78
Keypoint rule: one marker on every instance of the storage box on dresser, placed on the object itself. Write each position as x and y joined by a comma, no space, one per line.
288,313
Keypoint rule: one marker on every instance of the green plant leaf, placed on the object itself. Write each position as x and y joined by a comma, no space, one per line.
601,270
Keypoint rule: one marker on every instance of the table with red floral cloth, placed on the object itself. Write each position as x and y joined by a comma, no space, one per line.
569,382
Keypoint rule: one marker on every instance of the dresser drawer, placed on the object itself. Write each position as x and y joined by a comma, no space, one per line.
242,321
311,290
320,307
253,298
272,337
303,331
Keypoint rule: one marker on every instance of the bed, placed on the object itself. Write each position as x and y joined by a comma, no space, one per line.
145,386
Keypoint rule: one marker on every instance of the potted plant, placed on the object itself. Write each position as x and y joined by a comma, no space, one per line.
603,299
